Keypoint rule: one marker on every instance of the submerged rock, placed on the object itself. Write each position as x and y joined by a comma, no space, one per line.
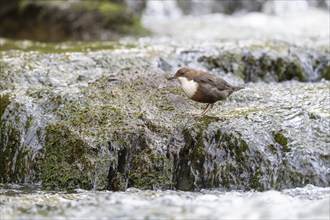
276,62
110,119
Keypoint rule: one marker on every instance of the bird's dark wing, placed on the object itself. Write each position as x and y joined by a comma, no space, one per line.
217,82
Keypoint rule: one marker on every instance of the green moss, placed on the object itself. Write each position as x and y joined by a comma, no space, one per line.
326,73
12,157
230,167
255,180
15,158
4,102
25,3
65,47
227,62
282,69
21,165
281,140
66,163
254,66
116,16
225,179
102,115
293,71
150,170
272,148
116,19
235,169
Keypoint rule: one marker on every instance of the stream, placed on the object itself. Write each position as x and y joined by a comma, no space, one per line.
19,202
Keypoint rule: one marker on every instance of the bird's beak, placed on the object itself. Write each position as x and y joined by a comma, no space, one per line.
171,78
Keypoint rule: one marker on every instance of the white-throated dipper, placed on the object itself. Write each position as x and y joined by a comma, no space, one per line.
203,87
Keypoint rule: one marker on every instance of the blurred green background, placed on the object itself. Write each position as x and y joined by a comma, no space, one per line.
63,20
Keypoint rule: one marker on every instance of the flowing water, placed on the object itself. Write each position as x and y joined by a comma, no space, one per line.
309,202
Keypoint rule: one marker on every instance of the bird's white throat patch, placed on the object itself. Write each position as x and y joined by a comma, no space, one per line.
189,87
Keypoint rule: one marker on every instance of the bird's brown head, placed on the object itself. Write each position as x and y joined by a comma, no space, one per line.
185,72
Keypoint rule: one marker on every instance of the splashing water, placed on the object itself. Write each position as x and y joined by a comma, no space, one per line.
304,203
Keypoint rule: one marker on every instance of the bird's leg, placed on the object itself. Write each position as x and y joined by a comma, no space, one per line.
208,107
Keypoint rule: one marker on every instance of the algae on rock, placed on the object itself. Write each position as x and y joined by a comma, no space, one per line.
109,119
281,63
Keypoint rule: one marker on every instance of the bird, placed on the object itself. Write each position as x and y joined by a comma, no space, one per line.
203,87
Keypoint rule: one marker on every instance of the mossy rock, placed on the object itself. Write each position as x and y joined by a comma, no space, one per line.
16,161
326,73
4,102
254,66
226,163
150,170
281,140
69,162
12,158
127,126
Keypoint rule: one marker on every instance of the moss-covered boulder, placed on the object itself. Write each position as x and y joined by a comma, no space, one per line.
110,119
276,62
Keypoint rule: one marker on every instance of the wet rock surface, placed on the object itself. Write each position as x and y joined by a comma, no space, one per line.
109,119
